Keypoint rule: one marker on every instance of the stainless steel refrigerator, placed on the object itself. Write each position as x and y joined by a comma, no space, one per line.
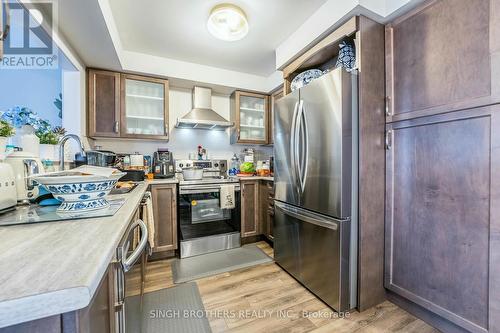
315,173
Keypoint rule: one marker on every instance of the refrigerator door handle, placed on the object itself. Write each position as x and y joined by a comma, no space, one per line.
293,143
304,153
296,151
309,217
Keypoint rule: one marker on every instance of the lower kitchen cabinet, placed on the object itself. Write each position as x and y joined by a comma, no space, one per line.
266,197
97,317
165,216
443,218
250,212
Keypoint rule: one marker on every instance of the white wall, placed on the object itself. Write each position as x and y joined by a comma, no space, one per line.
184,141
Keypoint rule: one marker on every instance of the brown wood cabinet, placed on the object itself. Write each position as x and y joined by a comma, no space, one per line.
103,103
144,107
441,57
250,113
165,216
126,106
97,317
266,202
250,208
277,94
443,216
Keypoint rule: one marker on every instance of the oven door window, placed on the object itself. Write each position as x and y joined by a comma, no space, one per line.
206,209
201,215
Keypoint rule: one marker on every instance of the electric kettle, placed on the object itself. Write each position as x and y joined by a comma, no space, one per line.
25,164
8,192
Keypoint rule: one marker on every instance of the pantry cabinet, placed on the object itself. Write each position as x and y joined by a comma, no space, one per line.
127,106
442,217
442,237
250,113
165,216
250,210
442,56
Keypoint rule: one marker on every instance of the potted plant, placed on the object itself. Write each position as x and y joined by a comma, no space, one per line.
6,131
49,140
28,122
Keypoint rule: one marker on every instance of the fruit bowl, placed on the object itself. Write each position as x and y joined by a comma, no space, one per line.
79,192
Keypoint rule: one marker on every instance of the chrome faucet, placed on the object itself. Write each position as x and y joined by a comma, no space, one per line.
61,147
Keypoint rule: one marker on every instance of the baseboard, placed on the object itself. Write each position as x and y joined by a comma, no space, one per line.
252,239
429,317
163,255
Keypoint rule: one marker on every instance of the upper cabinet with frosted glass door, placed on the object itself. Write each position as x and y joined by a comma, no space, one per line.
250,112
144,107
126,106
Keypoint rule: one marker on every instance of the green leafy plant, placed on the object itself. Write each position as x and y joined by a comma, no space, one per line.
6,129
59,130
50,136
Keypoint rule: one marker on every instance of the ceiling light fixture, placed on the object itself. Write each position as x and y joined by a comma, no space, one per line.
227,22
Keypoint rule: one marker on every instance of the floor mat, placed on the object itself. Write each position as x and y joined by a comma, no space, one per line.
178,309
189,269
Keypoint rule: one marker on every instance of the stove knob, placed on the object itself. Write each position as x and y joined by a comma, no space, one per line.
216,165
181,165
188,165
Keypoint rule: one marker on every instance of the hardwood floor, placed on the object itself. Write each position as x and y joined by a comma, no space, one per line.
265,298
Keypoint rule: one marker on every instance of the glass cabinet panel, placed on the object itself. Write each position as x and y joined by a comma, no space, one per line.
144,108
253,116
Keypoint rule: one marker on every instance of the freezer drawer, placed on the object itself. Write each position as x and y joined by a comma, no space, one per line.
314,249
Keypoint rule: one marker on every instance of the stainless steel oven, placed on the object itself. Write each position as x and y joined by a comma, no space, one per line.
203,225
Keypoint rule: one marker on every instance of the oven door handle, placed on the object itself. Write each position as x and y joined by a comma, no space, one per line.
203,190
128,262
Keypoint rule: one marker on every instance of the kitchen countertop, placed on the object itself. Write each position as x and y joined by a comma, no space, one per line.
257,178
163,181
56,267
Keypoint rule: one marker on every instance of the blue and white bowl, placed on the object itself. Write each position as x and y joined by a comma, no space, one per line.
79,192
304,78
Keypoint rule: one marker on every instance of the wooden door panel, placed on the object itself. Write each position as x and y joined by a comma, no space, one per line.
103,103
438,215
438,57
165,216
249,208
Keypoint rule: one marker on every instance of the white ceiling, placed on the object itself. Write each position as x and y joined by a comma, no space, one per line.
176,29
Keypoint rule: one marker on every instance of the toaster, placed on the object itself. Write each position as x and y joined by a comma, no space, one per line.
8,191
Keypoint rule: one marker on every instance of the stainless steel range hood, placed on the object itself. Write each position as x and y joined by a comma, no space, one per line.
202,116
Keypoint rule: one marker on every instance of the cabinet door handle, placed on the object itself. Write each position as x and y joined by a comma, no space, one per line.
117,127
388,140
387,106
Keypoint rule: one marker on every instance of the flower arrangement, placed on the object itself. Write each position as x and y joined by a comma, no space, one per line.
21,116
6,130
50,136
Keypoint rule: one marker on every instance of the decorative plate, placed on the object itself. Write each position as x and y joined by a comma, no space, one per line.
347,57
305,78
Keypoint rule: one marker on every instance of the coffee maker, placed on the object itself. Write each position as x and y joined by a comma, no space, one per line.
163,164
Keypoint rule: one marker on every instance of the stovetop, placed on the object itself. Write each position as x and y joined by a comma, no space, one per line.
205,181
